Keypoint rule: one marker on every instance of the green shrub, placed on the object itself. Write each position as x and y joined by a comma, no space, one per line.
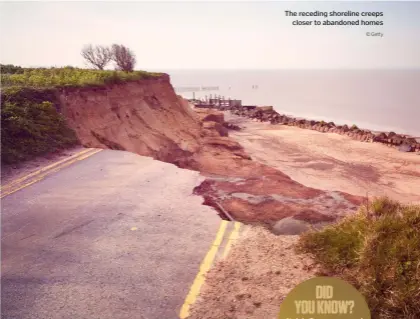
10,68
354,127
31,122
377,250
31,125
69,76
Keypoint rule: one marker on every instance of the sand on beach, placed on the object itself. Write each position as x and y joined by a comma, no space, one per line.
262,268
254,278
329,161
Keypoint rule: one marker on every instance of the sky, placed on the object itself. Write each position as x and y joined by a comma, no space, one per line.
211,35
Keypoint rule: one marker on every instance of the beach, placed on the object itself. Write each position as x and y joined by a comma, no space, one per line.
330,161
262,268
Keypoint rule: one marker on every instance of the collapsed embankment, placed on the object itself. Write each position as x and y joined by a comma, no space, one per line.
144,117
147,117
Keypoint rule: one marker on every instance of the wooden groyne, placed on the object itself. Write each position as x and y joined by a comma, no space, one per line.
220,102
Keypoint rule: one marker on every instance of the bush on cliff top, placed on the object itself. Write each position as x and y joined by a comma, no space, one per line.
67,76
31,125
30,118
378,251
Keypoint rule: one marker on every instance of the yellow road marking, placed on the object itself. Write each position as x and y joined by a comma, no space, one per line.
204,268
133,228
232,238
45,168
55,168
23,186
88,155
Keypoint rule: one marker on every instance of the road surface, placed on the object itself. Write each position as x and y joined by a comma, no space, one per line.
115,235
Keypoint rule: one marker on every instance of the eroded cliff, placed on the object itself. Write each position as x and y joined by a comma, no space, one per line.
145,117
148,118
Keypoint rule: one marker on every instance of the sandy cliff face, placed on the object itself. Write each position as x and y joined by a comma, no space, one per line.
145,117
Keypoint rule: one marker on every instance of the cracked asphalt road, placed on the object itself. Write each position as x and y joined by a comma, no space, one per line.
115,235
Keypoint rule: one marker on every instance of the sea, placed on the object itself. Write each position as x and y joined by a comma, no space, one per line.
379,100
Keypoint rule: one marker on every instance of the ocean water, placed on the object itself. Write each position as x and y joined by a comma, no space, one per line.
384,100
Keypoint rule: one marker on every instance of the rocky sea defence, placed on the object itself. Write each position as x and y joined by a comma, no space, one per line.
403,142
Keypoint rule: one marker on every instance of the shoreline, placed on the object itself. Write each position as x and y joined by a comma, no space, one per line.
330,162
374,128
404,142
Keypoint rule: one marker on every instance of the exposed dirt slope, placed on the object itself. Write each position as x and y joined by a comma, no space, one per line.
144,117
147,117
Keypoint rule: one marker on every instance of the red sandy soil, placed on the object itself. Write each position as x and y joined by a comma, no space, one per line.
147,118
253,192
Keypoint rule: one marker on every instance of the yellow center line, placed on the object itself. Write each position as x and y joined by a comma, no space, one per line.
47,172
17,181
232,238
88,155
204,268
23,186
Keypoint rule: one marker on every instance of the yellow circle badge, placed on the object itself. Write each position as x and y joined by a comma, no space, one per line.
324,298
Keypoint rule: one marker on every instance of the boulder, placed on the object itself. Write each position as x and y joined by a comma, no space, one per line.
391,134
266,116
210,127
411,140
405,148
290,226
231,126
397,140
265,108
215,117
381,137
223,142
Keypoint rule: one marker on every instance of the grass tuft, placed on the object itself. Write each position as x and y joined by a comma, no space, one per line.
377,250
